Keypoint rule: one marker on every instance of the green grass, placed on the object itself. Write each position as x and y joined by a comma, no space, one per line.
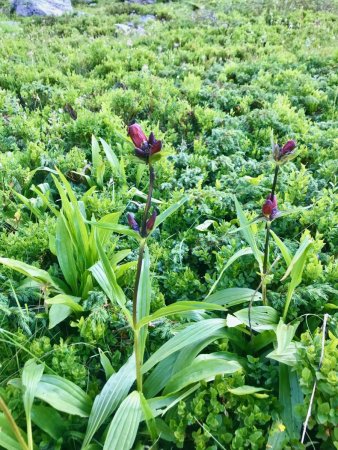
213,80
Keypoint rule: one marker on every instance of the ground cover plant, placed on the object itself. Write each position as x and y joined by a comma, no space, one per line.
168,226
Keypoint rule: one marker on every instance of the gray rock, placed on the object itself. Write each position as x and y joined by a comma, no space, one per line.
41,7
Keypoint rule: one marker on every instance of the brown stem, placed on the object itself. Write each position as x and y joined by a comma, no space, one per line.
267,238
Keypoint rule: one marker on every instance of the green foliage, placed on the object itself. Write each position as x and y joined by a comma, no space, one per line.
211,79
323,420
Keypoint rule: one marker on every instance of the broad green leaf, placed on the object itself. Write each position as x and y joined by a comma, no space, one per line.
169,211
262,317
144,288
49,420
31,376
234,296
98,164
112,394
39,275
299,257
189,335
282,247
148,417
68,300
143,298
63,395
286,350
175,362
111,157
57,314
248,234
232,259
105,274
161,405
29,203
290,395
178,308
200,369
65,253
123,428
106,364
105,233
246,390
116,228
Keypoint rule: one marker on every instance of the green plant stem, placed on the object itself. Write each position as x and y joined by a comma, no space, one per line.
13,425
137,347
29,431
266,246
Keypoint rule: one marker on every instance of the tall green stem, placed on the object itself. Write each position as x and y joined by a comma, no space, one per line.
143,232
266,246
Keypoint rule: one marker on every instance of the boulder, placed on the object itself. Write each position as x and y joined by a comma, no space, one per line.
41,7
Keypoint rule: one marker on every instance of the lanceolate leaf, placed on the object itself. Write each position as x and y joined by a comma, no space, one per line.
49,420
261,317
246,390
168,212
299,256
39,275
123,429
31,376
248,234
111,157
286,350
63,395
234,296
200,369
241,252
189,335
282,247
290,395
177,308
112,394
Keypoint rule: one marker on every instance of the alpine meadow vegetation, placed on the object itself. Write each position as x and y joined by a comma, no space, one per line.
168,226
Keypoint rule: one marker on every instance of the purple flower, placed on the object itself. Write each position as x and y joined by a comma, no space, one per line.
132,222
137,135
288,148
285,153
143,147
269,208
151,221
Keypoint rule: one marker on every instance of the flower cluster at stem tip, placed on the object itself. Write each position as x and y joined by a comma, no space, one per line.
281,155
144,147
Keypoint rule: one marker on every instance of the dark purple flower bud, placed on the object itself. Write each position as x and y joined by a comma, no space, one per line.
156,147
151,140
151,221
137,135
288,148
132,222
274,214
269,205
140,153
